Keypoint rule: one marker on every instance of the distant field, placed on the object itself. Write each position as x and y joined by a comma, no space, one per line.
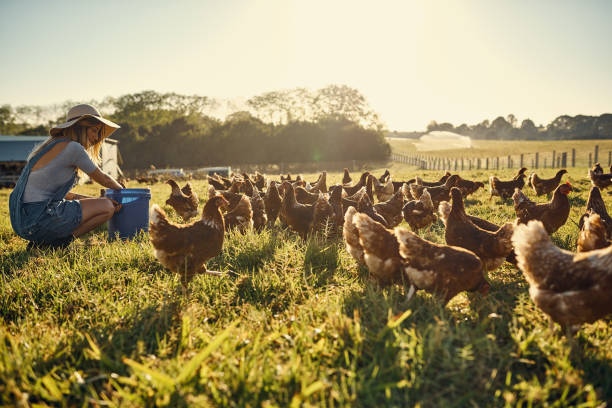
495,148
292,323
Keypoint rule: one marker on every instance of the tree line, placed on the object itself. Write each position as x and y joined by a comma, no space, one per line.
562,128
171,130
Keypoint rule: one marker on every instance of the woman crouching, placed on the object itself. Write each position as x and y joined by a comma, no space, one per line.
42,208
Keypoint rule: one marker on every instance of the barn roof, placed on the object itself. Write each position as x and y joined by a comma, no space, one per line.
17,148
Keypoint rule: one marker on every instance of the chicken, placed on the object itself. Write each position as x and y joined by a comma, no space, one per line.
433,183
440,269
216,183
596,204
346,179
545,186
240,217
491,247
323,215
552,214
260,219
320,186
335,200
597,169
592,234
601,180
304,197
350,190
185,205
380,250
299,217
397,185
260,181
468,187
383,191
437,193
357,196
232,198
385,176
391,210
419,213
505,189
351,236
272,202
365,206
369,189
185,249
570,288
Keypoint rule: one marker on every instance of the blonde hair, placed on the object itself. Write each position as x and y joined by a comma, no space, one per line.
77,133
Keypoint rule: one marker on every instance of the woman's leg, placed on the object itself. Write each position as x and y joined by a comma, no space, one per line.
96,211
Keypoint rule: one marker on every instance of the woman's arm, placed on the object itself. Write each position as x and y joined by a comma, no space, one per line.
104,179
75,196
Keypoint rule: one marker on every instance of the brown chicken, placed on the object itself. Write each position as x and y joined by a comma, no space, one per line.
365,206
380,250
346,179
185,249
437,193
323,216
397,185
272,202
320,186
570,288
185,205
545,186
468,187
240,217
420,213
335,200
596,204
260,219
351,236
491,247
601,180
232,198
552,214
385,177
304,197
350,190
391,210
440,269
592,234
299,217
383,191
597,169
260,181
217,184
505,189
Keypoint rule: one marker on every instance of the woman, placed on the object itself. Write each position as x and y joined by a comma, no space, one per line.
42,208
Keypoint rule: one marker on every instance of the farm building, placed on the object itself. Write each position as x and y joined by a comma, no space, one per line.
14,151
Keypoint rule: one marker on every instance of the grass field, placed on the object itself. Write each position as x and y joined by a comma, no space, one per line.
293,324
501,148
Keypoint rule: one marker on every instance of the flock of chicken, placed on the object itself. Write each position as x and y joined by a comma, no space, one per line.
572,288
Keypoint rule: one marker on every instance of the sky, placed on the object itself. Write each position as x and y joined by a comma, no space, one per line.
414,61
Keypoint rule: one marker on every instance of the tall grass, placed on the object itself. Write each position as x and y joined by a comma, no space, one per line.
291,323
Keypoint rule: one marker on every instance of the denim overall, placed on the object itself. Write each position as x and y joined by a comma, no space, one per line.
48,221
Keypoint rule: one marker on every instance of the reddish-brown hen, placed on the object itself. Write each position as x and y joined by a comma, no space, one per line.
391,210
545,186
440,269
420,213
185,249
184,202
505,189
491,247
571,288
552,214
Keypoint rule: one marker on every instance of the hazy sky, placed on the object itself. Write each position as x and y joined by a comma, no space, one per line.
415,61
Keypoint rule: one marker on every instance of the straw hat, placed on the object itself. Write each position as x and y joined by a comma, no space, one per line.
83,111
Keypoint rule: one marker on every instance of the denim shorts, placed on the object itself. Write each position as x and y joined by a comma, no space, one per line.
56,222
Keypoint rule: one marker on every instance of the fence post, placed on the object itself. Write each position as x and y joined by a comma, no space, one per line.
537,160
509,162
564,159
610,158
487,168
462,163
497,163
470,164
478,164
596,157
590,160
573,157
553,159
521,165
558,161
544,163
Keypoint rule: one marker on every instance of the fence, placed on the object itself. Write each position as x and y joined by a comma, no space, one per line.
536,160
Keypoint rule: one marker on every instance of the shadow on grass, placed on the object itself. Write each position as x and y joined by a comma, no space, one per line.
12,262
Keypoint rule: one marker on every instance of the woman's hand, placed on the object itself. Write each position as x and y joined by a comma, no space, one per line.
115,204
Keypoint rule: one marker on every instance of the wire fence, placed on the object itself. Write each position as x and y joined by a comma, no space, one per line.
535,160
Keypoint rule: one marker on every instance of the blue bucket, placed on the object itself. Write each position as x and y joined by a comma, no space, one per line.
133,216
